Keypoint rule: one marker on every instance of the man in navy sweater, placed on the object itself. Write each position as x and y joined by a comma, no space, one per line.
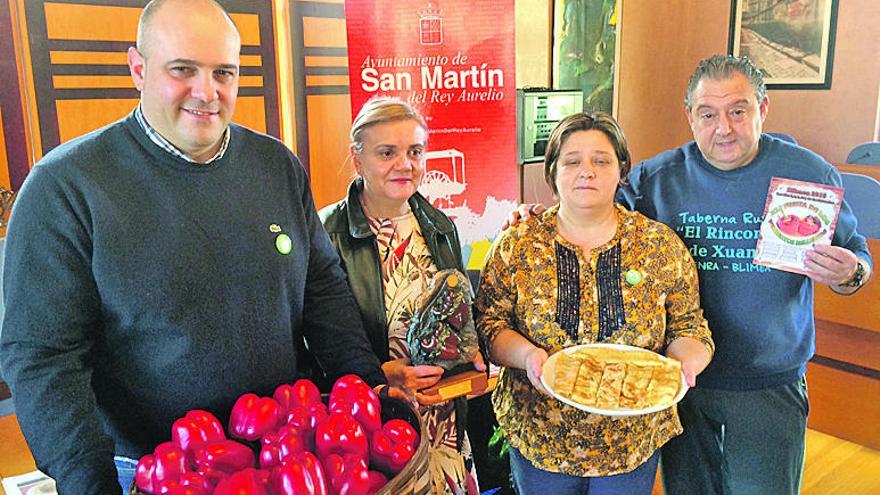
745,422
167,262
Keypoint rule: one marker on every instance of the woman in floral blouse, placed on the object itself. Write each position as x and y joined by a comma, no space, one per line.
391,242
586,271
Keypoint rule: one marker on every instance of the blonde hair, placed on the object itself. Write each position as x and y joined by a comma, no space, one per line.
379,110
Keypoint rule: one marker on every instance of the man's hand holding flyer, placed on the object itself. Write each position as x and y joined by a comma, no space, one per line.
797,216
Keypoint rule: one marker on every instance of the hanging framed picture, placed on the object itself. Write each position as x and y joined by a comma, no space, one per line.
584,49
792,41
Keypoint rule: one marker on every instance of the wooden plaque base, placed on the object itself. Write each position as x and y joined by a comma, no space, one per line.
470,383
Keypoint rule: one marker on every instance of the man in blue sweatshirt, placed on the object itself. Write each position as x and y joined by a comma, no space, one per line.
169,261
745,422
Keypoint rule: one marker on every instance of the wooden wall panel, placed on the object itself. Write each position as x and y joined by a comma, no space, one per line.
248,27
77,117
848,344
331,169
4,160
14,162
15,457
844,405
869,170
322,31
250,111
322,117
81,21
862,309
844,376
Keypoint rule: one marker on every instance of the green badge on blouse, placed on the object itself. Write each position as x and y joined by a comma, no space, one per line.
283,244
633,277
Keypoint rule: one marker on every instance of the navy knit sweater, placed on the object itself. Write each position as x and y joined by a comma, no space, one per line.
139,286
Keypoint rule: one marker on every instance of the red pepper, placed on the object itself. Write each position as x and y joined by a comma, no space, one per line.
188,484
169,463
186,490
352,395
143,476
306,420
269,450
299,474
288,440
197,481
249,481
341,434
348,474
228,456
270,456
307,417
254,416
393,446
214,476
377,481
302,393
347,382
194,430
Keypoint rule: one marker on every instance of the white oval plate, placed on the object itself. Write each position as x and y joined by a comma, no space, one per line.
548,377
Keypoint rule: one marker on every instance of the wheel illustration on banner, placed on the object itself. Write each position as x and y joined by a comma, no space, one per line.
437,186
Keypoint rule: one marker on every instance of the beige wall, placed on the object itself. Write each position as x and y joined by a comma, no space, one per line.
835,121
660,44
533,37
663,41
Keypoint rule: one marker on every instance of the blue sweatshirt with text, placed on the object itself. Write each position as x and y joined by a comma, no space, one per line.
761,318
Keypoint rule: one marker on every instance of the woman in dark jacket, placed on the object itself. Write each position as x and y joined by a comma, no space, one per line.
392,242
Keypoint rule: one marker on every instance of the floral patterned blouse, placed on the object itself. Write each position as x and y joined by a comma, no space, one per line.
407,270
547,289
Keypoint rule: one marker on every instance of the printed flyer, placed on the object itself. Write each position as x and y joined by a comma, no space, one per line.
797,216
33,483
454,61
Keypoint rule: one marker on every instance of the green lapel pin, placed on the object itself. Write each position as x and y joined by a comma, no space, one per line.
633,277
283,243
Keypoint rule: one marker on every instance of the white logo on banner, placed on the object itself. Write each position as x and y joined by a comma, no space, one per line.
430,26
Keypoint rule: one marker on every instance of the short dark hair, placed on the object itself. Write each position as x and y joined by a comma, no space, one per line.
594,121
719,67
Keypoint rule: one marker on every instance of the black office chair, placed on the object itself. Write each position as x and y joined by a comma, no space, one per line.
861,193
865,154
783,136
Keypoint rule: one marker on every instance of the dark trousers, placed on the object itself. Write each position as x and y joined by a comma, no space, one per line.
493,470
738,442
528,479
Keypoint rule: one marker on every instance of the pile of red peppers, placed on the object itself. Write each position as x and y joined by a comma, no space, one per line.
305,446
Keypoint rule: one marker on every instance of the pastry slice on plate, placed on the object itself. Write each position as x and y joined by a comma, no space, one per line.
608,396
665,382
635,384
587,385
567,366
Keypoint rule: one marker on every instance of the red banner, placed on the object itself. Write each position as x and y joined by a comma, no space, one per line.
454,60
